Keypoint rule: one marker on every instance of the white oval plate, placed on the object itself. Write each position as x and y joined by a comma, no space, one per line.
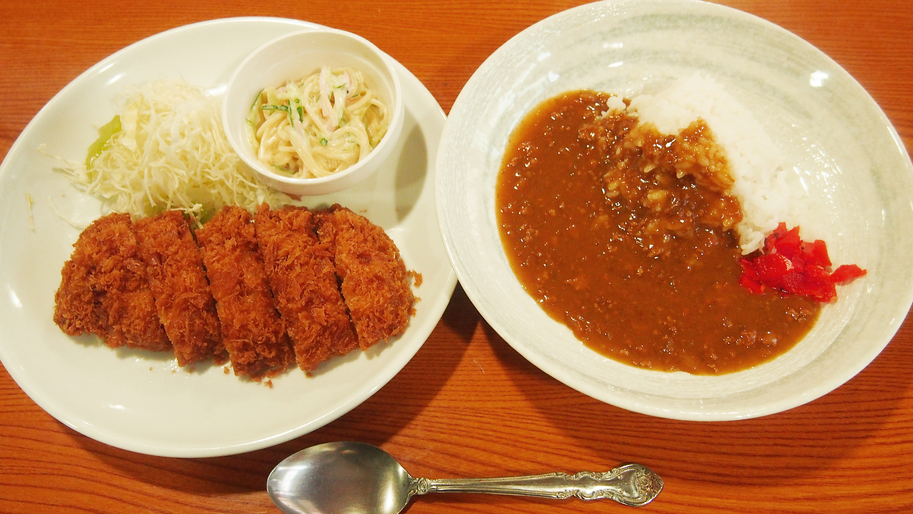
839,143
145,403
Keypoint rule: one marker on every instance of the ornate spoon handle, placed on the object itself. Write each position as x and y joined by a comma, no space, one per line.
630,484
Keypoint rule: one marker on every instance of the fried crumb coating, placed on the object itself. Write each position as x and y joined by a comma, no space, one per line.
374,281
303,280
183,298
104,289
263,292
252,330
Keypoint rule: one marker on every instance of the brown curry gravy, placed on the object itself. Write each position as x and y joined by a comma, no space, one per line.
625,236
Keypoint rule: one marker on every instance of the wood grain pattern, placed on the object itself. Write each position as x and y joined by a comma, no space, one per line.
468,404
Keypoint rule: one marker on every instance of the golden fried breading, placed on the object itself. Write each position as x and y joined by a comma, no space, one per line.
77,311
375,282
183,299
252,331
303,280
104,289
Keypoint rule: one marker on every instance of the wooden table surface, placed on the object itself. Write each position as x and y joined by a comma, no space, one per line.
468,404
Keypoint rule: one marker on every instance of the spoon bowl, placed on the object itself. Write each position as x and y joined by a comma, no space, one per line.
347,477
339,477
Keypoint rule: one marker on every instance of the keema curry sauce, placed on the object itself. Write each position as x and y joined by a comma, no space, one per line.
626,236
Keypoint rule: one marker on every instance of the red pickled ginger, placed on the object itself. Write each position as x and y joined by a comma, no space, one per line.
792,266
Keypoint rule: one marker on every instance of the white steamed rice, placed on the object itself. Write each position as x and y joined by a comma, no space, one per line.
756,164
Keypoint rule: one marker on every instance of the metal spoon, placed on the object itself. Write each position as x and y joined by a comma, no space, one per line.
350,477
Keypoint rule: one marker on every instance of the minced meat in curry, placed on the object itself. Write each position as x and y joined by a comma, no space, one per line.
626,236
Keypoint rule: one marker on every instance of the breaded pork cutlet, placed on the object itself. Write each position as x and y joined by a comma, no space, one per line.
183,299
374,280
303,280
104,289
252,331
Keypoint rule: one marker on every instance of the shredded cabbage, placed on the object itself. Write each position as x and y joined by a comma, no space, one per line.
170,153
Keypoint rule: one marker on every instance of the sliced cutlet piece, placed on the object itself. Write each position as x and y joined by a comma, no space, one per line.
303,280
77,309
374,281
104,289
252,331
182,296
